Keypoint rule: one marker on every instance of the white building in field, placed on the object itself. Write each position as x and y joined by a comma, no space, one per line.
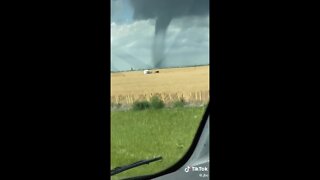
147,72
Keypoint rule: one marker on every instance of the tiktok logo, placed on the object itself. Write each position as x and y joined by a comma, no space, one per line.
187,169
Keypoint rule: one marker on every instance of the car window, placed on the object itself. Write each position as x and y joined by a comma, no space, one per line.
159,80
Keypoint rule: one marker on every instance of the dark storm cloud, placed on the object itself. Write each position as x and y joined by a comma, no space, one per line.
153,8
165,10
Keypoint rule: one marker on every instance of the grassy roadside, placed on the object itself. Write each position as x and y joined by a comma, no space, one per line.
137,135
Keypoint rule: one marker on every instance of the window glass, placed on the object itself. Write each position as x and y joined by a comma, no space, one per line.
159,80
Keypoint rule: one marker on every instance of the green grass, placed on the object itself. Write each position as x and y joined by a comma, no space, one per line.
138,135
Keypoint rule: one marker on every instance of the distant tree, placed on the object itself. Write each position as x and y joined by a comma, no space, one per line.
140,105
156,102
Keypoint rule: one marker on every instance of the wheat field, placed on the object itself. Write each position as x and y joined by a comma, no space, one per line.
171,84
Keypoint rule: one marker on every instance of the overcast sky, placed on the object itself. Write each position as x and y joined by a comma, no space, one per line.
187,39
